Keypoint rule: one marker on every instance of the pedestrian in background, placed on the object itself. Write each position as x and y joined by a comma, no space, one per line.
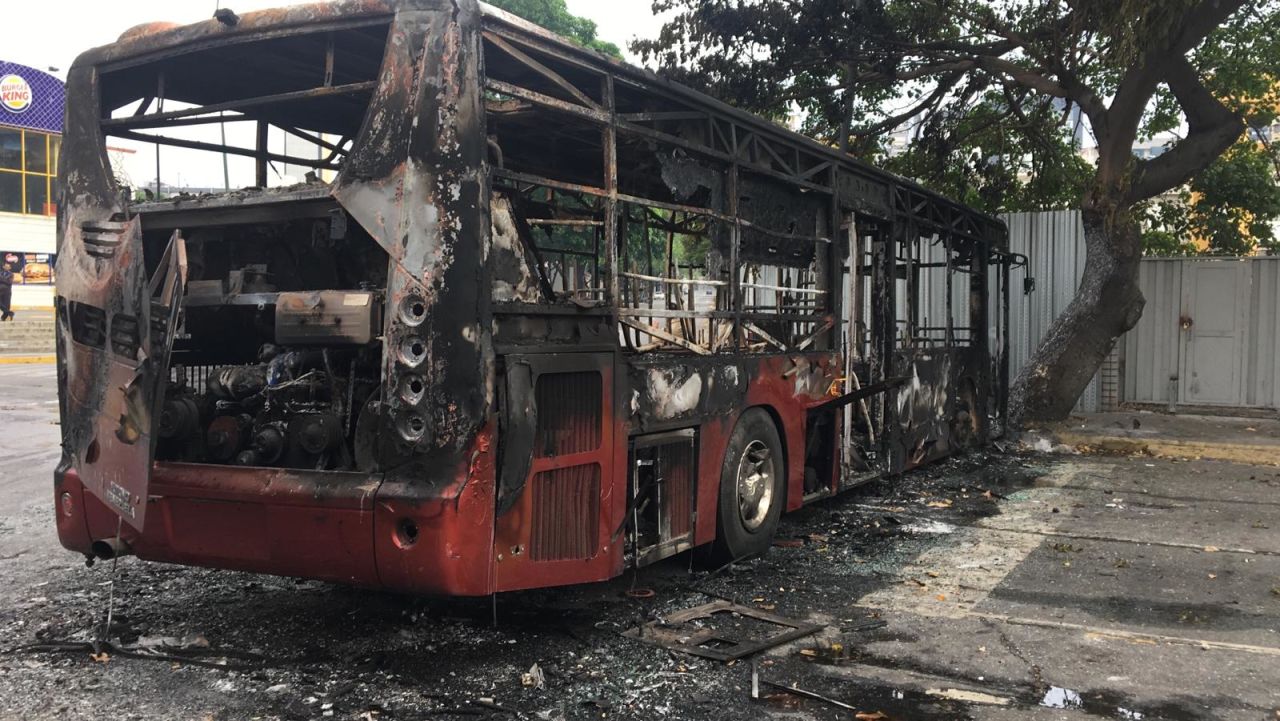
6,292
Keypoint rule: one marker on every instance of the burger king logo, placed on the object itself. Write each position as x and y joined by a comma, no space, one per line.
15,93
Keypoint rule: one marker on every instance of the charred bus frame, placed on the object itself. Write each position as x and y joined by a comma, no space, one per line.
557,316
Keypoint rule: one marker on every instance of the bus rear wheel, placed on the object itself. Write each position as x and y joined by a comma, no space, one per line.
752,489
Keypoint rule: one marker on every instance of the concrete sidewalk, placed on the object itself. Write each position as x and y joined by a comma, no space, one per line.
1186,436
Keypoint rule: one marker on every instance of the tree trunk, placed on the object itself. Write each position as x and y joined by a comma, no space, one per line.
1107,304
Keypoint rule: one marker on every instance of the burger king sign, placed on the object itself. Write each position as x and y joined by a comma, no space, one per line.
15,93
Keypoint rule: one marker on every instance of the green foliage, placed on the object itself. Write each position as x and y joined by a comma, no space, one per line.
1127,29
687,249
554,15
1244,57
976,158
990,91
1230,207
980,142
1167,226
1236,200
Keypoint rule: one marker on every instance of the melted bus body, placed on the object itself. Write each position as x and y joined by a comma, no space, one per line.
534,316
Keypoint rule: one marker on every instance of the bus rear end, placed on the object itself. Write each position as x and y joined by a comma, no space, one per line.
293,377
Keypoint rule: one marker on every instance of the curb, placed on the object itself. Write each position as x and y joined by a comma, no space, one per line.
28,359
1268,455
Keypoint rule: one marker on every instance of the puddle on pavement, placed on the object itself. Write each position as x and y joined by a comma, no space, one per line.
1065,698
1057,697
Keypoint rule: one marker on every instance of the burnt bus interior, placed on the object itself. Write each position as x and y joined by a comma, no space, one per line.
635,225
278,350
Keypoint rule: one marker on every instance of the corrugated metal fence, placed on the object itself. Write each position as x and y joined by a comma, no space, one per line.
1054,245
1140,368
1151,349
1263,374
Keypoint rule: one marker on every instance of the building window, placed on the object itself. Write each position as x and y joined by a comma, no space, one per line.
10,149
11,192
30,268
28,169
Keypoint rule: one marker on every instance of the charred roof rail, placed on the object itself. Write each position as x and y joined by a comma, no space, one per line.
151,119
229,149
986,228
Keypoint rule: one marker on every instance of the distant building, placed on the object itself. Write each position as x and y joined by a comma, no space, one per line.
1146,149
899,139
31,104
1268,134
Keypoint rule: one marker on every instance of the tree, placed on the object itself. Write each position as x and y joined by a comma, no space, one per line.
995,92
1228,209
554,15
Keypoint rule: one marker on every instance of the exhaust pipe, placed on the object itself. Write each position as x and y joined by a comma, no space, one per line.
109,548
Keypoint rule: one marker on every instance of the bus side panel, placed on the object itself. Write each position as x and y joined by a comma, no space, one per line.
713,437
940,410
565,525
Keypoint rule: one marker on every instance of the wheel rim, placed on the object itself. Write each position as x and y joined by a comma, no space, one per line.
755,484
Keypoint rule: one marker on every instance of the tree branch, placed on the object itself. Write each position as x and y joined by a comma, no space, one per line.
1211,128
924,71
1079,94
1015,106
990,56
944,85
1137,86
952,47
1067,88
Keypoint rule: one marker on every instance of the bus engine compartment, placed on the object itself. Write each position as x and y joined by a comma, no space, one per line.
277,360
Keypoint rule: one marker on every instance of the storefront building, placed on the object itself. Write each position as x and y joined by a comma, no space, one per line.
31,104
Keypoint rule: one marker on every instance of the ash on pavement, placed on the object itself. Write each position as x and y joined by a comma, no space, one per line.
993,586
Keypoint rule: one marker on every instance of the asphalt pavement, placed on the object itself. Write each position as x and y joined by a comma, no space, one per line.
1000,585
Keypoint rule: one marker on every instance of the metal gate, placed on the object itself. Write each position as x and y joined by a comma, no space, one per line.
1210,334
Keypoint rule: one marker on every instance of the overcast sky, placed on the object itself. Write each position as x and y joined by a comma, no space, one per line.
55,31
82,24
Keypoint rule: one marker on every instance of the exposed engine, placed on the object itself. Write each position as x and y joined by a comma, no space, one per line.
297,408
266,371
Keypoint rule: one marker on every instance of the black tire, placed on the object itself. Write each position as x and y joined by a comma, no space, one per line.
743,527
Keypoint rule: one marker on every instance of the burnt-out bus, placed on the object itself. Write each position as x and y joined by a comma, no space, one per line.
530,318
